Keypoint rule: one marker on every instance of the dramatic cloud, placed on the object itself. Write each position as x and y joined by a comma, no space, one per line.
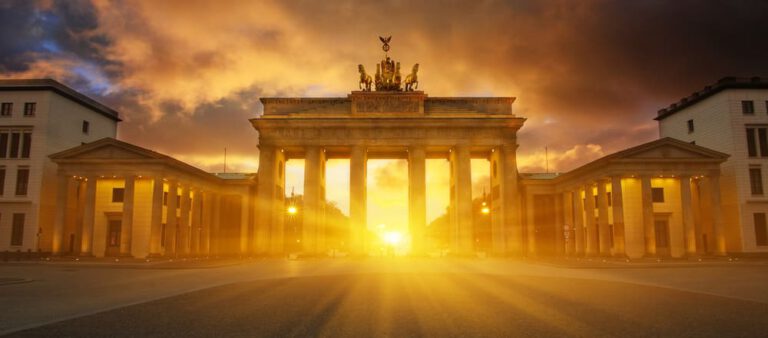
186,75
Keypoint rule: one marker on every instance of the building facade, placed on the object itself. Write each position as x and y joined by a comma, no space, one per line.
38,118
731,116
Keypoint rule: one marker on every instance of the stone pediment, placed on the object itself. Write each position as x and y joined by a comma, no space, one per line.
107,149
668,148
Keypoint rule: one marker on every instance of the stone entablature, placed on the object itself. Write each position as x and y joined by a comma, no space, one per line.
387,104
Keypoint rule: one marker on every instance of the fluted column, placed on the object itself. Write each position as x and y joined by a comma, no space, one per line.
62,192
86,241
171,223
462,200
512,217
266,197
688,223
713,180
602,218
569,223
182,245
195,222
156,218
593,247
314,199
417,201
560,221
578,221
617,205
648,221
358,162
498,230
126,225
530,229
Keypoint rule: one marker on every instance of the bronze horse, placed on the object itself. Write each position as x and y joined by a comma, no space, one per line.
411,80
365,79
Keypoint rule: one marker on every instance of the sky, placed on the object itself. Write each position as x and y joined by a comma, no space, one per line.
186,76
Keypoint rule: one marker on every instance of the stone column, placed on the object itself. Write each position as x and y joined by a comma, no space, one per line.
498,231
578,222
62,192
206,215
568,222
88,216
266,197
314,162
462,200
195,222
156,217
713,180
358,162
602,218
171,223
214,236
530,228
417,198
182,244
593,247
559,220
511,195
648,221
126,225
688,224
618,216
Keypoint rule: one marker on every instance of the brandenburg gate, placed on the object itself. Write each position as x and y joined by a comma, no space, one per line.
389,121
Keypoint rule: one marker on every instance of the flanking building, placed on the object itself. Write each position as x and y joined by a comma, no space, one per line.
37,118
731,116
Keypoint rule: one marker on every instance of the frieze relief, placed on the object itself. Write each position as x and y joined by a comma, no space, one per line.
339,135
387,105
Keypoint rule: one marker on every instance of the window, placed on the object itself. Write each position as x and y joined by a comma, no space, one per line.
756,181
2,180
6,108
690,126
3,145
15,143
26,144
118,194
761,233
86,126
657,195
17,230
751,144
22,180
29,108
15,140
747,107
757,137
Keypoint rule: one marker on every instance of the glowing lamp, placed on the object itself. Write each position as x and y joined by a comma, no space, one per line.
292,210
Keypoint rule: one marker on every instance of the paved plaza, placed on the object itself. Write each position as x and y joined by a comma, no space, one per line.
385,297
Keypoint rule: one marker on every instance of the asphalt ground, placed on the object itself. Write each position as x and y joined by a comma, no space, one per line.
425,304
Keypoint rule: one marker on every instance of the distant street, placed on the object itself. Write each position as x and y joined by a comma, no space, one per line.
389,297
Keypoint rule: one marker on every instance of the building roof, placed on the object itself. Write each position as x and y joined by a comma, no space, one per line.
57,87
723,84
